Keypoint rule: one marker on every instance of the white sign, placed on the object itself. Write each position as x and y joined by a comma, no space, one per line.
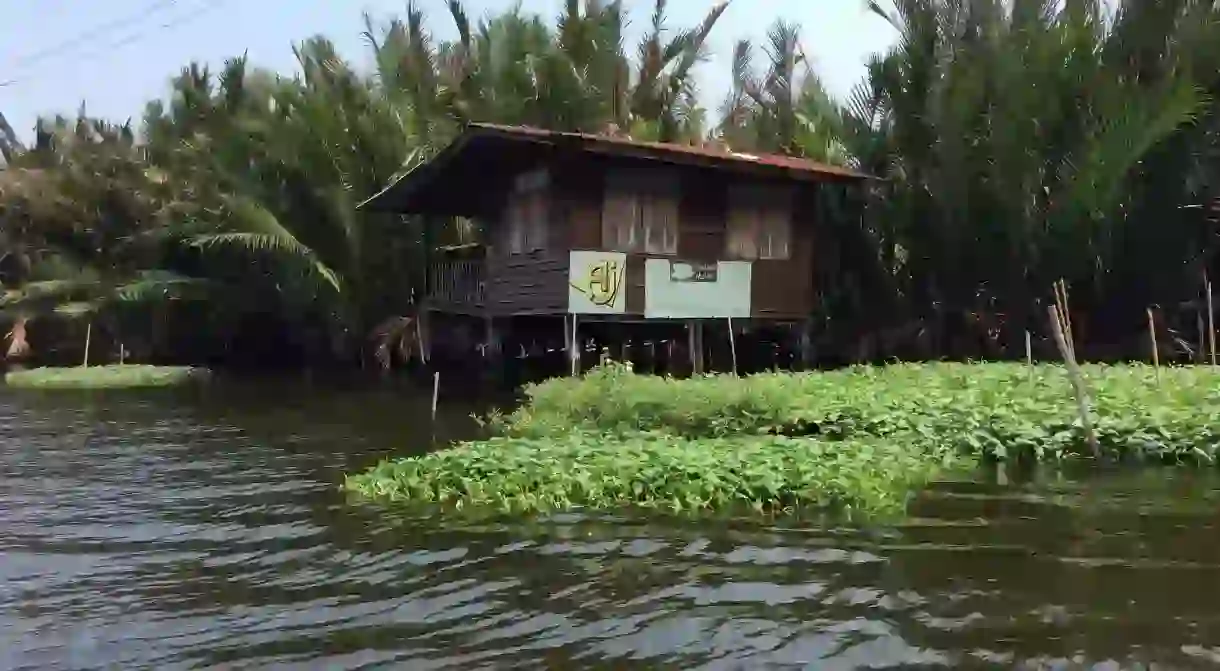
684,290
595,282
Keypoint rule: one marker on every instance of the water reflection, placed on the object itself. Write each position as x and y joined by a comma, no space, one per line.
206,530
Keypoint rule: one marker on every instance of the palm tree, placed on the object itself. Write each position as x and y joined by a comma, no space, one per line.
784,110
10,144
275,168
1011,132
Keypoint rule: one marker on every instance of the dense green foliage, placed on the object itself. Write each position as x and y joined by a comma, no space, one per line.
1000,411
1027,142
124,376
1022,142
862,437
658,470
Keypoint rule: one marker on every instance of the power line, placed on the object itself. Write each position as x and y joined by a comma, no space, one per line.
199,11
94,32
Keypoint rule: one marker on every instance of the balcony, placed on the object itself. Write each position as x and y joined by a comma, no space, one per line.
457,283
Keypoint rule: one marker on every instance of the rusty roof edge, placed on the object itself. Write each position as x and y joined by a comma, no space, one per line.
610,146
420,171
593,141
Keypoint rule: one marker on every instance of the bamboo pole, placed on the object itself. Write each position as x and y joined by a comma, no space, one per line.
1156,356
1211,320
1077,378
88,340
1065,312
733,345
1067,318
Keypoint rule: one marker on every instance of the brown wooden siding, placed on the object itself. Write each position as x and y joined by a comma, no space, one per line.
703,226
784,289
578,195
528,283
537,282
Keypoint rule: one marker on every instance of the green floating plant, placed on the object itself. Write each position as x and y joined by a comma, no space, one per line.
125,376
657,470
858,438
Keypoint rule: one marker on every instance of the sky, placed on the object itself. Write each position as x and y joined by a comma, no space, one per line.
114,56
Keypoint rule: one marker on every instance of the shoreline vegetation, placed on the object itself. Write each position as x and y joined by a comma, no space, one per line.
861,438
121,376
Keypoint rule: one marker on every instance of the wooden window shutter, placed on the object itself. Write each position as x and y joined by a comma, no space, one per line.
660,223
776,224
516,225
742,224
619,214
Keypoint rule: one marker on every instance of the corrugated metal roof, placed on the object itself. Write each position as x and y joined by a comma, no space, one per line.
714,154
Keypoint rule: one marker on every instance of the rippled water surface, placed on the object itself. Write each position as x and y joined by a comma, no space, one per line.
205,530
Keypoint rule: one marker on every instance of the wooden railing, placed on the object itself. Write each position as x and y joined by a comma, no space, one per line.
457,282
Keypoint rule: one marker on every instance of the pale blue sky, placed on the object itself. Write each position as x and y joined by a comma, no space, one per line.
117,54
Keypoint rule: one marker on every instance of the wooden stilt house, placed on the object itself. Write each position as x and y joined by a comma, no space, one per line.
585,230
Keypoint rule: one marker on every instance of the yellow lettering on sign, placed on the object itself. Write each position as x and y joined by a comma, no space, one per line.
602,284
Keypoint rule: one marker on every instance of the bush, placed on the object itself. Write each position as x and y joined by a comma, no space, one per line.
105,377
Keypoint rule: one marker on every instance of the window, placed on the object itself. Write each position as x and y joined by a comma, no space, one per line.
526,213
640,212
760,222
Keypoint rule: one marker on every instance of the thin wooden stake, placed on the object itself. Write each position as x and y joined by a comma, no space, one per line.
1211,320
436,392
88,340
1156,356
419,339
733,345
1029,355
1077,379
1065,311
1201,350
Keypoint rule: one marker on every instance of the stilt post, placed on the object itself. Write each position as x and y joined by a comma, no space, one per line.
694,329
573,347
733,345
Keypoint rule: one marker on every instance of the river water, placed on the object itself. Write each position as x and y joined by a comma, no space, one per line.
204,529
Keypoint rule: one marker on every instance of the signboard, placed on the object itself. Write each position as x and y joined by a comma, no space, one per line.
684,290
595,282
693,272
